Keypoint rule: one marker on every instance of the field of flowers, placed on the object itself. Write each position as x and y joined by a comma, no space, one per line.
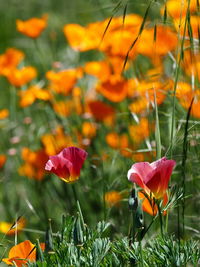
100,133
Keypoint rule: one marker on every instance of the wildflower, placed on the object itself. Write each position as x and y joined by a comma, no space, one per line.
177,8
12,228
28,96
34,163
89,129
4,113
32,27
154,177
21,254
63,81
114,89
101,111
166,40
56,141
141,131
19,77
112,198
10,60
149,205
2,160
67,164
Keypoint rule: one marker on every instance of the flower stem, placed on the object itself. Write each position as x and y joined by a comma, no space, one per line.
160,218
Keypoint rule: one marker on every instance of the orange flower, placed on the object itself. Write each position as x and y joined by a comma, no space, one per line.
166,40
149,205
117,40
63,108
80,38
12,228
144,95
89,129
4,113
54,143
34,92
62,82
2,160
114,89
120,142
19,77
32,27
101,111
100,69
112,198
191,63
34,163
177,8
185,94
194,23
9,60
20,254
140,131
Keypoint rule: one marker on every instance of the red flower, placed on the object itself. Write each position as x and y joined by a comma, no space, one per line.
67,164
154,177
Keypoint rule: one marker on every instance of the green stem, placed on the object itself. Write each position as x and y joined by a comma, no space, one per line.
160,219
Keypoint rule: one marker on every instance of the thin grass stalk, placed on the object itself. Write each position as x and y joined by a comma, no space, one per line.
176,79
157,131
184,158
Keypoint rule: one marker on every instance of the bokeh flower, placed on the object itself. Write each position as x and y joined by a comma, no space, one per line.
152,177
112,198
67,164
12,228
32,27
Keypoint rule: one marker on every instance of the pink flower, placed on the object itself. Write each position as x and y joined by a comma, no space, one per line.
154,177
67,164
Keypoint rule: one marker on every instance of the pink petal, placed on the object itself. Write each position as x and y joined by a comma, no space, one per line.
76,156
158,179
142,169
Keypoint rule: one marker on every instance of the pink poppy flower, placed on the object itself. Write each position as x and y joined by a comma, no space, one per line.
67,164
152,177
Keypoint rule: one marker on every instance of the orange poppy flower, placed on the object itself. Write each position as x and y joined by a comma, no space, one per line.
34,163
12,228
194,23
100,69
63,108
101,111
120,142
185,94
2,160
54,143
113,198
21,254
166,41
10,60
89,129
80,38
63,81
140,131
32,27
191,63
4,113
28,96
177,8
149,205
90,37
20,77
77,100
114,89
